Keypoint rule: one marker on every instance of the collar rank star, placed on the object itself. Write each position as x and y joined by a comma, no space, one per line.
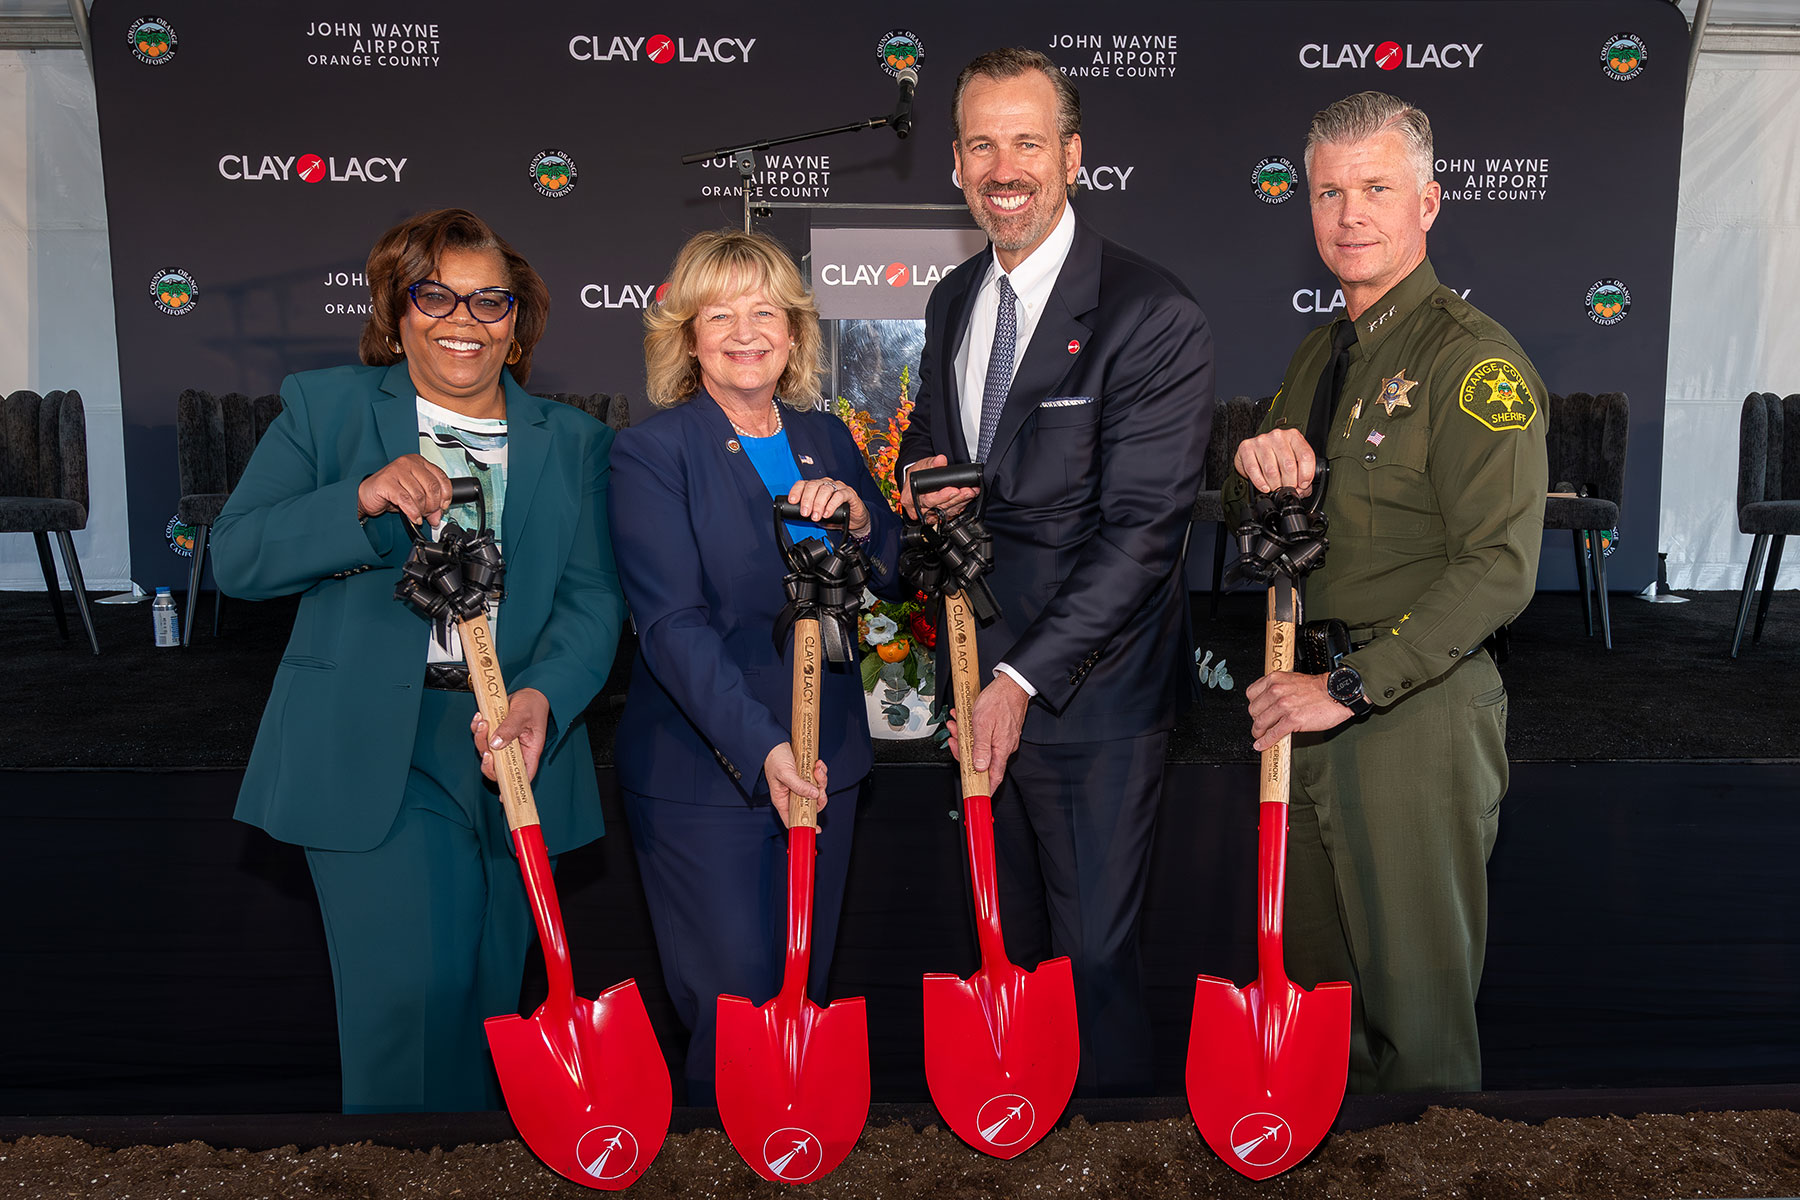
1393,392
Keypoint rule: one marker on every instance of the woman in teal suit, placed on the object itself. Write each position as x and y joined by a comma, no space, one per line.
365,756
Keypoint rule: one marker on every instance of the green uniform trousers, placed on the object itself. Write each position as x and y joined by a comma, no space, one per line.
1390,825
428,932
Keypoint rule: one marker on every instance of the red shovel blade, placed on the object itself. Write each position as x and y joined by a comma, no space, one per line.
793,1078
1001,1049
1001,1052
589,1095
1266,1070
584,1080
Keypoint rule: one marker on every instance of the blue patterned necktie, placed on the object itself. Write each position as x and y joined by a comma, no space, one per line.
1000,367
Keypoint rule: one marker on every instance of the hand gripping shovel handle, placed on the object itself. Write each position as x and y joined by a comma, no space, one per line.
521,812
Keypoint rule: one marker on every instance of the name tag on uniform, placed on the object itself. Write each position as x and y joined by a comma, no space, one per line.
1066,402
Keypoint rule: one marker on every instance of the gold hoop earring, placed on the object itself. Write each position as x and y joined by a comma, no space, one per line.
515,354
396,348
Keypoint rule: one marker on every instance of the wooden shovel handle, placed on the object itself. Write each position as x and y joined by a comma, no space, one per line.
1278,655
965,679
490,697
805,732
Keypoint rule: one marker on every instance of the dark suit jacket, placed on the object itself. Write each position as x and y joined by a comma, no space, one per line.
710,693
336,740
1088,487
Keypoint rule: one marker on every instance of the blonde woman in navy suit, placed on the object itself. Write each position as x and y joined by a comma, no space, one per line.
704,764
364,756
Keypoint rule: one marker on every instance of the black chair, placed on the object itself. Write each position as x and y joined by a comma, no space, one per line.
214,437
44,487
608,408
1233,421
1768,494
1586,446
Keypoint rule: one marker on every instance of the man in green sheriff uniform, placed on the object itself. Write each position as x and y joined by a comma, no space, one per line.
1436,503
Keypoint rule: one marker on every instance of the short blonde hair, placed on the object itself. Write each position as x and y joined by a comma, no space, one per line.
722,266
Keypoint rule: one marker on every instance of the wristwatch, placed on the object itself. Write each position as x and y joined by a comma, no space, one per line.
1345,686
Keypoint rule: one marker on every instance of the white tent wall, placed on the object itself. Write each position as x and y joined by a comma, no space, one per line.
1733,329
53,251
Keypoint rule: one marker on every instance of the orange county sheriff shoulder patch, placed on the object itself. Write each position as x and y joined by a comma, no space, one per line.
1495,393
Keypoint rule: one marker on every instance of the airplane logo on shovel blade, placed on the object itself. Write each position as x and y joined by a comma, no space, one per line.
1261,1138
1006,1120
792,1153
607,1151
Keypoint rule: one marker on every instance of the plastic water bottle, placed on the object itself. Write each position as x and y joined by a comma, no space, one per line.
163,615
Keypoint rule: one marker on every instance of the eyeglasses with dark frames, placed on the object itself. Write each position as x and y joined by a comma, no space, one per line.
487,305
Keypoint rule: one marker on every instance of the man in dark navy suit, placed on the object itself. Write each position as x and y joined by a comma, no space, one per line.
1080,374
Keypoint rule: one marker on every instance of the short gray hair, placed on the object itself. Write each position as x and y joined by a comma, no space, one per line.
1363,116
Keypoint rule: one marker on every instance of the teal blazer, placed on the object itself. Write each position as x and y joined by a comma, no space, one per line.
336,740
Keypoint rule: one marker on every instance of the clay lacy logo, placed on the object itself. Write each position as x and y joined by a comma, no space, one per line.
1005,1120
174,291
1608,302
658,48
1261,1139
794,1155
1623,56
898,50
1274,179
152,40
607,1152
553,173
1496,394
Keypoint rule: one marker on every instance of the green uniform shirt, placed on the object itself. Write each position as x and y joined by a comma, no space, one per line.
1438,475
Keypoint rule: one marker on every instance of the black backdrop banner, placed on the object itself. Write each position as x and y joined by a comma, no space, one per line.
253,153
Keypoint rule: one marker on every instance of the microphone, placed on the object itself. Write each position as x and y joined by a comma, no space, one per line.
901,121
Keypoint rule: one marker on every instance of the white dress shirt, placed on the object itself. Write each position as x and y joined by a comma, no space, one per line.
1032,282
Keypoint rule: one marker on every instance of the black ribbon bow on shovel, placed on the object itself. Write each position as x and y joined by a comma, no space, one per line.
952,554
455,576
823,583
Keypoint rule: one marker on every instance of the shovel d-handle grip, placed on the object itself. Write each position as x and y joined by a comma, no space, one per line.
788,511
951,475
490,697
804,736
965,681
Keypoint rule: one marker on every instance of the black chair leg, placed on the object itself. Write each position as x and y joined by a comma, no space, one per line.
55,593
1768,588
218,609
1599,555
72,565
1751,569
196,572
1581,577
1219,537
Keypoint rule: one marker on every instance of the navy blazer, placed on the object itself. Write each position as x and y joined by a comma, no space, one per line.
1089,485
331,757
693,528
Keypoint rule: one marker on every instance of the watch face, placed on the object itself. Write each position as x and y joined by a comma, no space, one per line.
1344,685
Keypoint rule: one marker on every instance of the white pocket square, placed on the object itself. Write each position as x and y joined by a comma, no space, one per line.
1066,402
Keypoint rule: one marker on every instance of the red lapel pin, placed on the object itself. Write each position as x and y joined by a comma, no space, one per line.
1074,346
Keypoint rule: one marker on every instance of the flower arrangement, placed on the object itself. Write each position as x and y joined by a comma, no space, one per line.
881,444
897,637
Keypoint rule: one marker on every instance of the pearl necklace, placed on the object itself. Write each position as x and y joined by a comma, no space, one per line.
744,433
